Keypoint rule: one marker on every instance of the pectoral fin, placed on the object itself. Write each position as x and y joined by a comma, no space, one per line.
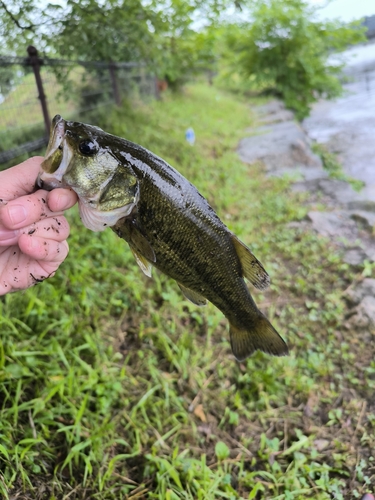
142,250
252,269
194,297
141,245
143,263
128,230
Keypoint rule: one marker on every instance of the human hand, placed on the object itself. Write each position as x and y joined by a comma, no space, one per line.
33,230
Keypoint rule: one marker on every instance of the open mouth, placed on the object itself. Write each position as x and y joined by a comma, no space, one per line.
54,153
57,157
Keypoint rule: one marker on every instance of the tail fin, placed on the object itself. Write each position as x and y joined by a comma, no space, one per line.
261,336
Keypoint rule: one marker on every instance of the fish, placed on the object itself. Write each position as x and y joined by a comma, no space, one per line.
166,222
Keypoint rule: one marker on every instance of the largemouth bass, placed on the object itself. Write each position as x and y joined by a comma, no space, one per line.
166,222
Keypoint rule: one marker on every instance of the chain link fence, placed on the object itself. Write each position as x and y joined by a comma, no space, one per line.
34,89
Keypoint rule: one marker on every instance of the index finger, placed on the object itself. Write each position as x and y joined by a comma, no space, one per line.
26,210
19,180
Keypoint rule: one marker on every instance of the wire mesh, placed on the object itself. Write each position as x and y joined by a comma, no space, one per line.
71,89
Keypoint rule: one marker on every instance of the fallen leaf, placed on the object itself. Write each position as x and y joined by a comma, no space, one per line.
321,444
198,412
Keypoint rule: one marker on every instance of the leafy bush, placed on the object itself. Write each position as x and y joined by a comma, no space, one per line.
285,51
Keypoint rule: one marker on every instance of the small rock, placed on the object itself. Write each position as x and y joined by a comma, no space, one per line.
370,251
302,154
365,288
337,223
279,146
364,314
340,191
355,257
283,115
365,218
300,174
270,108
311,185
364,205
313,173
321,444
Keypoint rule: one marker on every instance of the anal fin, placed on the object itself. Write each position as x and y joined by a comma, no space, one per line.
260,336
251,267
194,297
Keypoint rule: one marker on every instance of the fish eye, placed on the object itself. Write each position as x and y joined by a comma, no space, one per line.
88,147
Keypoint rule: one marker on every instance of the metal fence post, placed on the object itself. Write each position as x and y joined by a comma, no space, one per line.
157,88
115,89
36,62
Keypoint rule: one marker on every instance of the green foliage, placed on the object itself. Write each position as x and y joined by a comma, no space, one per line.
181,57
113,386
182,51
158,34
88,29
8,79
285,50
17,25
221,450
105,31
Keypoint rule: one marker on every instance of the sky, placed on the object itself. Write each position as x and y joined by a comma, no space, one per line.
346,10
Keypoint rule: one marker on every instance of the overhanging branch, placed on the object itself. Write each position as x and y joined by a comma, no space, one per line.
15,20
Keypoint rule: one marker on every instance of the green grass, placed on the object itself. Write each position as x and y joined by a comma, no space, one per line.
21,106
21,118
113,386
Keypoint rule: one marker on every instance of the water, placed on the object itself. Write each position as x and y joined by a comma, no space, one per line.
347,125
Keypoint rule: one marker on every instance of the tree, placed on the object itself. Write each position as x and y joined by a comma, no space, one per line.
81,29
159,33
184,45
286,51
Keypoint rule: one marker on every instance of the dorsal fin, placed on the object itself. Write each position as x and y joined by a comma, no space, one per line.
194,297
252,269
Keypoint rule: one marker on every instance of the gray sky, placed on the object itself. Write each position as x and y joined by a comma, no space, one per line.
347,10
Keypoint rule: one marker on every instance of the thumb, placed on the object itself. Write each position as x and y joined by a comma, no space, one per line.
19,180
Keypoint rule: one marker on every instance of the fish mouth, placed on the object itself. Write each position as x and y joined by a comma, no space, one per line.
57,157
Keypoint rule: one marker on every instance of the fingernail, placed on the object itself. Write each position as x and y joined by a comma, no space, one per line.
17,213
63,200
